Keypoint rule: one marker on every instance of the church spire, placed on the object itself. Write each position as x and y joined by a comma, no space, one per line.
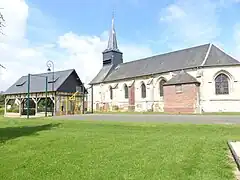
112,41
112,55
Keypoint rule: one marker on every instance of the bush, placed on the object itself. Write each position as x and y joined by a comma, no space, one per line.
31,111
1,111
115,108
13,110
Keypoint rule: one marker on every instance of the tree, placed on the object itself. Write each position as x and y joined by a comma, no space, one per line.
2,25
2,22
1,100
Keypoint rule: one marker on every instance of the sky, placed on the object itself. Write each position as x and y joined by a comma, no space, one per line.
74,33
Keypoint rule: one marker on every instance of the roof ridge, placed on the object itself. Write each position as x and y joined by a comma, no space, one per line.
149,57
207,54
50,72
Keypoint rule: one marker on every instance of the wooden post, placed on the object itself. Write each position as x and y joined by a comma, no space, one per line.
53,101
19,107
5,108
66,105
60,105
35,101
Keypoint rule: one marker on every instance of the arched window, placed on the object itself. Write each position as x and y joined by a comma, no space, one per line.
125,91
161,87
111,92
222,84
143,90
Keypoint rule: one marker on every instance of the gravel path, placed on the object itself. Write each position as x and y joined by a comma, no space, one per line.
196,119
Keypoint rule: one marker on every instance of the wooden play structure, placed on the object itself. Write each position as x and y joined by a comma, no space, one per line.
74,104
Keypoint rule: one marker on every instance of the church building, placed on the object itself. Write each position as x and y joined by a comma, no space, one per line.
192,80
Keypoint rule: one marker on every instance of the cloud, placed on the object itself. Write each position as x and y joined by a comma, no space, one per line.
20,54
190,22
85,53
173,12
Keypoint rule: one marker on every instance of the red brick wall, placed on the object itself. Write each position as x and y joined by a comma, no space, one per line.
180,102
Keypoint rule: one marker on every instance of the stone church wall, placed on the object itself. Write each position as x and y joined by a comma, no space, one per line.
208,101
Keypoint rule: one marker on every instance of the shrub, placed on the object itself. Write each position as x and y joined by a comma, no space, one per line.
115,108
1,111
13,110
31,111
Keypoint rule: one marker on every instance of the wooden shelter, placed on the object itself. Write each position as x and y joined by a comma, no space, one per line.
65,94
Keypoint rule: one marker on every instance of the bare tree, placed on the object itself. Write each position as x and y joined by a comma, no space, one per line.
2,23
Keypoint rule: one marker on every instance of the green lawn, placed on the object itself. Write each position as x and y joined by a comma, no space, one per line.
45,149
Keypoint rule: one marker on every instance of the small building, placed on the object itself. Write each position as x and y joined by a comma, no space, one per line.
63,91
181,94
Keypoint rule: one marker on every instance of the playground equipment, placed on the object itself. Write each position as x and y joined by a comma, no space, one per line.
72,104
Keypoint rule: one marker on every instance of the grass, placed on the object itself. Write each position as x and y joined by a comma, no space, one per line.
50,149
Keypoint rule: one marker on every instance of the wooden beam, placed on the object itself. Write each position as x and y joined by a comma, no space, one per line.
34,99
38,99
52,100
5,106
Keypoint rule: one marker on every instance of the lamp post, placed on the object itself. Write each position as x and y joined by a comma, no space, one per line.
50,65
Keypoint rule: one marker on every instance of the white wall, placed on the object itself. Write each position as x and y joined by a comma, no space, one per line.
102,94
209,101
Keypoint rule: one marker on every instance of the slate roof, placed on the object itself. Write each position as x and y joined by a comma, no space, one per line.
102,74
198,56
112,41
38,84
181,78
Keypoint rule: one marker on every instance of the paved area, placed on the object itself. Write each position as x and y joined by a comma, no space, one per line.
236,149
196,119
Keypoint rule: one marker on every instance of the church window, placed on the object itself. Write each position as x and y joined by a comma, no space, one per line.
161,87
143,90
111,92
222,84
125,91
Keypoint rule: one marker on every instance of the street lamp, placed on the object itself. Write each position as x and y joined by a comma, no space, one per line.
50,65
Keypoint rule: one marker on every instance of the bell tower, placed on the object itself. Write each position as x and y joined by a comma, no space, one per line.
112,55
